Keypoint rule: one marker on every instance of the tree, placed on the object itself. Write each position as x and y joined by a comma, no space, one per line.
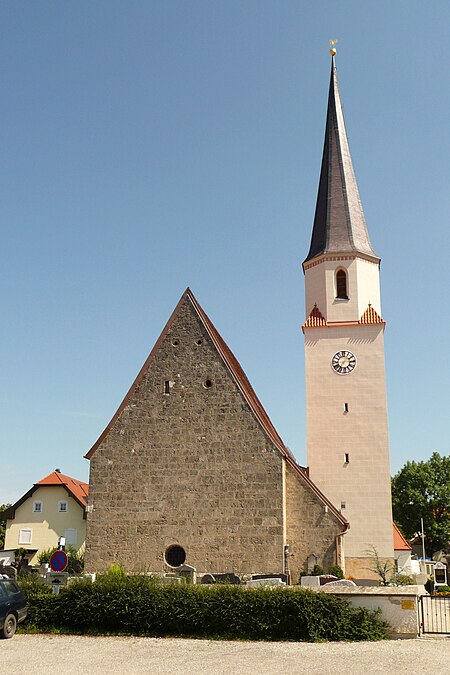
3,507
422,490
384,569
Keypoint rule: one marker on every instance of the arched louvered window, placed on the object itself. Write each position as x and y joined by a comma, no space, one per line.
341,285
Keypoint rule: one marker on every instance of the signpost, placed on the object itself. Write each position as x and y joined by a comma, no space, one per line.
58,561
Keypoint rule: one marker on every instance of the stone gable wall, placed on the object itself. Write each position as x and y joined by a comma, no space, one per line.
192,467
310,530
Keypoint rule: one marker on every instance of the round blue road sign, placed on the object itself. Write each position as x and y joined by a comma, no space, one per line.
58,561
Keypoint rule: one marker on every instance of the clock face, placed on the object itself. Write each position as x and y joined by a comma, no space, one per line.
343,362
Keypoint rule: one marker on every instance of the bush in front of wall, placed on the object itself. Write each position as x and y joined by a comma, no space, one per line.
336,571
143,606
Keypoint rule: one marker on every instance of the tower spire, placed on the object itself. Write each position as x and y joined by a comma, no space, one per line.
339,223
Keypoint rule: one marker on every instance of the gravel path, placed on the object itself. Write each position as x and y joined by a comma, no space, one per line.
46,654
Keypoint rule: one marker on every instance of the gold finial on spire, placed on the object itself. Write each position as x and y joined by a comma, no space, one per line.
333,49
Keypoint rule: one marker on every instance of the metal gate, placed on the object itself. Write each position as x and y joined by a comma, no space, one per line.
435,613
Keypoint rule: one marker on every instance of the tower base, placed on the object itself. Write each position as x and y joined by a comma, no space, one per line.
364,568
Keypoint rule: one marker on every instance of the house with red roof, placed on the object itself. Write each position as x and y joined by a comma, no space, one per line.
54,507
402,553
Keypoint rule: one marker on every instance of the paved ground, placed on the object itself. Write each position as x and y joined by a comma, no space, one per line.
45,654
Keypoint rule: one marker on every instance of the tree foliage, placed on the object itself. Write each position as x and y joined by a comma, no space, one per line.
3,507
422,490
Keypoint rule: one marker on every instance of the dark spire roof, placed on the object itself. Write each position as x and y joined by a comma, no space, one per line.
339,224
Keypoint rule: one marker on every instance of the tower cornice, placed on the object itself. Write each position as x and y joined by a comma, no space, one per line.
336,257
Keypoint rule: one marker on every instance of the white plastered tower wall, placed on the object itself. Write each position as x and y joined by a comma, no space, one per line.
347,424
347,436
363,278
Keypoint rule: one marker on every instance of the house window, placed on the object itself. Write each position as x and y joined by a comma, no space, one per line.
341,285
70,535
62,507
25,536
37,507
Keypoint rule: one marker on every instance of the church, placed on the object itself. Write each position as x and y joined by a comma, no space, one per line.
190,469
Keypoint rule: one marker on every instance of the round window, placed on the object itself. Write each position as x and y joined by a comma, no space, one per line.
175,556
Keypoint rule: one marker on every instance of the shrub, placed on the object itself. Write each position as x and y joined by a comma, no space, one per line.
142,606
116,570
45,555
317,570
336,571
403,580
442,590
39,599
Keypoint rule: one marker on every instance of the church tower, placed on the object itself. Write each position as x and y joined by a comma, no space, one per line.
347,431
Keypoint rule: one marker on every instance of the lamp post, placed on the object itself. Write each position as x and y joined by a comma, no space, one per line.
422,534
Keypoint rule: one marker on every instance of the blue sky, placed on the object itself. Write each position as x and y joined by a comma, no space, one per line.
151,146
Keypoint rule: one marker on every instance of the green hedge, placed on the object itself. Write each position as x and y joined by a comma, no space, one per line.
142,606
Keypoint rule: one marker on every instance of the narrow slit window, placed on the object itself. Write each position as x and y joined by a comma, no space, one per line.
345,407
167,387
347,458
341,285
343,505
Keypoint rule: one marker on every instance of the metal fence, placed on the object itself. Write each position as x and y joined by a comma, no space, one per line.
435,614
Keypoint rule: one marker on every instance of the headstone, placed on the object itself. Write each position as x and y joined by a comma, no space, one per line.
208,579
227,578
440,574
187,572
311,562
340,582
283,577
266,581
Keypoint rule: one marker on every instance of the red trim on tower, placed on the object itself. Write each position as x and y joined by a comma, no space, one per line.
317,320
314,319
371,316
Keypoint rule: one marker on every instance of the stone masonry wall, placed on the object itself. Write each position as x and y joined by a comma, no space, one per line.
191,467
309,529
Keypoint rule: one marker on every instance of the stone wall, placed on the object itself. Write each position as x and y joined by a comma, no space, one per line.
310,528
189,467
188,461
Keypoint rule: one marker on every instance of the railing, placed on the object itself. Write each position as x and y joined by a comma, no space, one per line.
435,611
